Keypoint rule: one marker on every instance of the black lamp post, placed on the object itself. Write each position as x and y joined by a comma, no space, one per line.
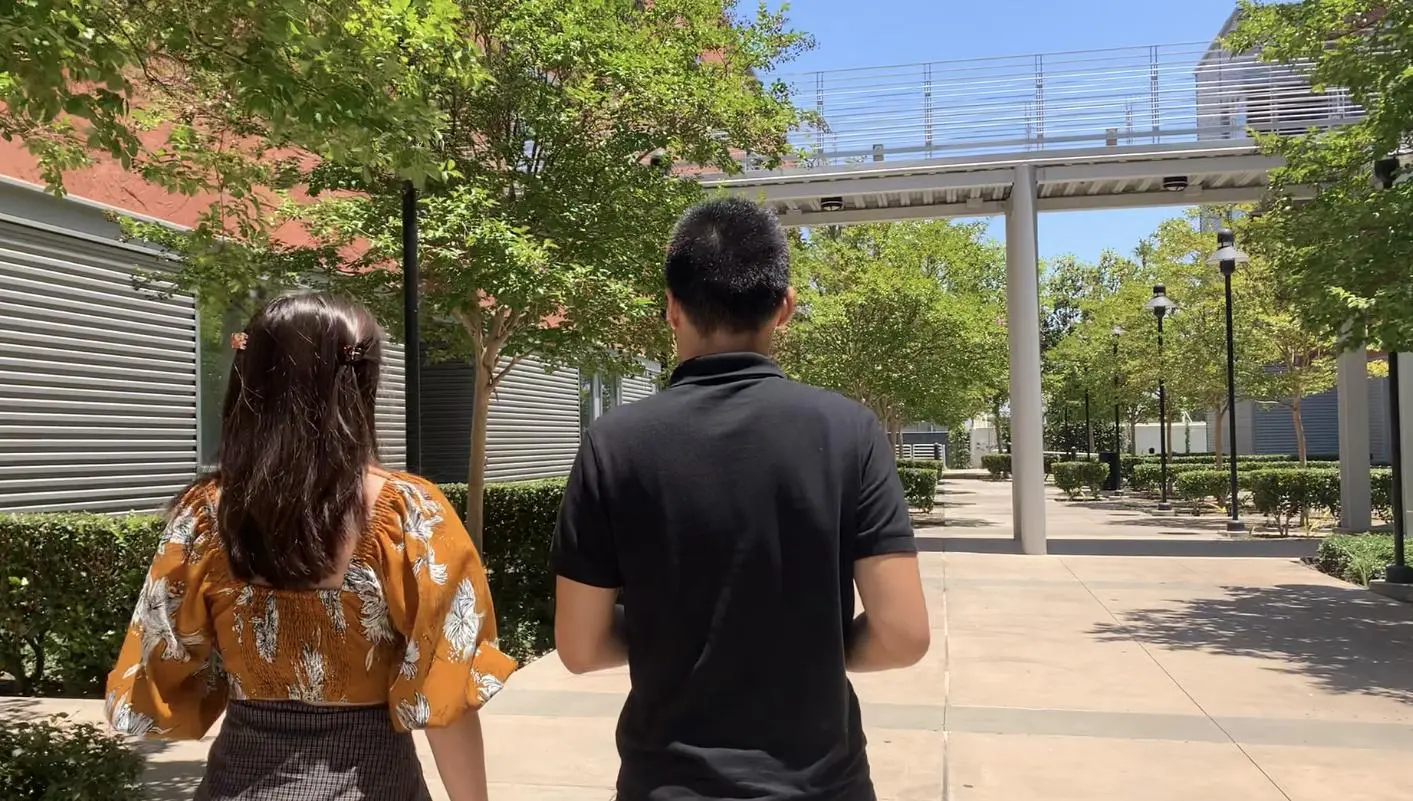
1227,258
1118,426
1389,172
1161,305
411,330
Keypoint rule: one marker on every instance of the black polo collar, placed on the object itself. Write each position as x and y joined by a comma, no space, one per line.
721,367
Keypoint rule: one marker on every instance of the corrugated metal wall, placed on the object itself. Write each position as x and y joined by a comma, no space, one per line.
639,387
447,392
533,431
98,392
391,412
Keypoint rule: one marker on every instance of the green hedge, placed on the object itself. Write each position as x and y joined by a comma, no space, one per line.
923,464
520,519
997,464
1199,485
1356,558
68,583
1072,477
52,759
67,587
1289,495
920,487
1381,492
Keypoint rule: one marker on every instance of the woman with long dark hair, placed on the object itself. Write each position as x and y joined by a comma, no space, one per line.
326,605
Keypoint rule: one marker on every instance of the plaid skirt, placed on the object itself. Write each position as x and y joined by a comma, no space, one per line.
285,751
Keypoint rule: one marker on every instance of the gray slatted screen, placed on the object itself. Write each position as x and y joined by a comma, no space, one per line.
639,387
98,389
391,410
533,431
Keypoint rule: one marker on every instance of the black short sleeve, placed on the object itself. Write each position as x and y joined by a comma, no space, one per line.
883,525
583,542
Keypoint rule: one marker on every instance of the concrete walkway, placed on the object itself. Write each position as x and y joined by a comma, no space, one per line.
1147,658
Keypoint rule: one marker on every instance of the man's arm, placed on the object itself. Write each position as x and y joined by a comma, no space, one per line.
588,623
588,627
893,631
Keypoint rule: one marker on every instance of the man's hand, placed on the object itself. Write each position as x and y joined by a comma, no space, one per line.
588,627
893,631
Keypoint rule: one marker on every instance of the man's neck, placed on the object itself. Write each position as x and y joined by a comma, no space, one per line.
731,345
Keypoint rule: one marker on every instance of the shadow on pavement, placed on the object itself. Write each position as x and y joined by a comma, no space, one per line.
1171,521
1348,640
175,780
968,522
1290,549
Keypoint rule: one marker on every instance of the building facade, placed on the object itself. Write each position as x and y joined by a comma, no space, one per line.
110,394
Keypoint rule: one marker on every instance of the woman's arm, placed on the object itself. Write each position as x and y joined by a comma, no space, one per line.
460,752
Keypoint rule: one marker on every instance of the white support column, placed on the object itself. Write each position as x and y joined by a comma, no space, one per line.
1023,328
1352,380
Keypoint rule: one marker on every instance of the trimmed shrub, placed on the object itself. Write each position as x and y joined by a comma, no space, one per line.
1146,475
923,464
1072,477
1287,495
520,521
1381,492
1356,558
67,587
53,759
997,464
68,583
1198,485
920,487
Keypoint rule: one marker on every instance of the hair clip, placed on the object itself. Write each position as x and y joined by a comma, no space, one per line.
238,341
351,354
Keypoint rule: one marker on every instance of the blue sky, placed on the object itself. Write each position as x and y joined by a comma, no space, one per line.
884,32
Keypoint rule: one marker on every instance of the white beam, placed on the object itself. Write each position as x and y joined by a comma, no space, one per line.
1052,158
1131,200
809,190
1023,329
1159,168
938,211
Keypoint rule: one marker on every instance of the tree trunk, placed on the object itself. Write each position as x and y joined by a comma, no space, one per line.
1217,438
476,469
1299,429
1133,436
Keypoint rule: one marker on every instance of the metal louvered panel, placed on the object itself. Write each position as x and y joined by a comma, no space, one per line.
533,430
391,413
640,386
448,390
98,391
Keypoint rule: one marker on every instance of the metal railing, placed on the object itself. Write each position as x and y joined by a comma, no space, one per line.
1139,95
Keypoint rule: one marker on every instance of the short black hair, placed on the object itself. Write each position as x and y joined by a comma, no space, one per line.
728,264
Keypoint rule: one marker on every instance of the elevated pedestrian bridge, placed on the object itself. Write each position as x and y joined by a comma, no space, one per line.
1147,126
1143,126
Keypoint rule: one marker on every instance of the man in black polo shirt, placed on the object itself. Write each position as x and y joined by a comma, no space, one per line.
735,512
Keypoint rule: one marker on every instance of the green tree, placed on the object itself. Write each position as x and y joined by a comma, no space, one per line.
225,96
901,317
1345,253
544,235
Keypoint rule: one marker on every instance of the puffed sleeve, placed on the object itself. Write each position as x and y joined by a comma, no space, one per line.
168,681
443,611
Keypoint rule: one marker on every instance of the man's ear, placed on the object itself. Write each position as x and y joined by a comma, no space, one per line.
673,313
787,308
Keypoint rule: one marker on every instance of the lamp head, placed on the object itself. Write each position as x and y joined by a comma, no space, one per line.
1227,256
1161,305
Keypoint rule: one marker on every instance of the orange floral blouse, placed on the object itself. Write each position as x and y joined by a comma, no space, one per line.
412,626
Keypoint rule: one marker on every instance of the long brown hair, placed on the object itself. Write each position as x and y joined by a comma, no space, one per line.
297,435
